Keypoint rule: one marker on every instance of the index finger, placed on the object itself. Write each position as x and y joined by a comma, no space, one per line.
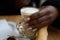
39,14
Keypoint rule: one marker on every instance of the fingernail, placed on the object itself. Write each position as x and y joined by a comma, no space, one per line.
29,28
21,27
28,18
34,29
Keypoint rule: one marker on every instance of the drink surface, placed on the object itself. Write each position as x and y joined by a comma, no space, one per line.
29,10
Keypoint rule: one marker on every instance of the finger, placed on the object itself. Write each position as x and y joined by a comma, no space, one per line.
39,14
44,23
38,21
27,19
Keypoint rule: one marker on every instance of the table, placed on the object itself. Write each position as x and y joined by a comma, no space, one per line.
53,35
14,18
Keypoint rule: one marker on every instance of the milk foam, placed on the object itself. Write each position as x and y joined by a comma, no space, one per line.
29,10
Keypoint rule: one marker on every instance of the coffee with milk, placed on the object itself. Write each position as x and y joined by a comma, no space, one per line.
25,13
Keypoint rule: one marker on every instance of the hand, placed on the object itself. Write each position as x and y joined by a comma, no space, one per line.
45,17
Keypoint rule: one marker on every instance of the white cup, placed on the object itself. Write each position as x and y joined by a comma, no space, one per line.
25,13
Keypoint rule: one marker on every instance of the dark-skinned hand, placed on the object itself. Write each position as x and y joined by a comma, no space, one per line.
42,18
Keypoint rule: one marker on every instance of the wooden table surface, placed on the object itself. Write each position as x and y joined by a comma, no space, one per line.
53,35
14,18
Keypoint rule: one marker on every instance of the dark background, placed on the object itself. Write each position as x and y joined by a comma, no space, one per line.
8,7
